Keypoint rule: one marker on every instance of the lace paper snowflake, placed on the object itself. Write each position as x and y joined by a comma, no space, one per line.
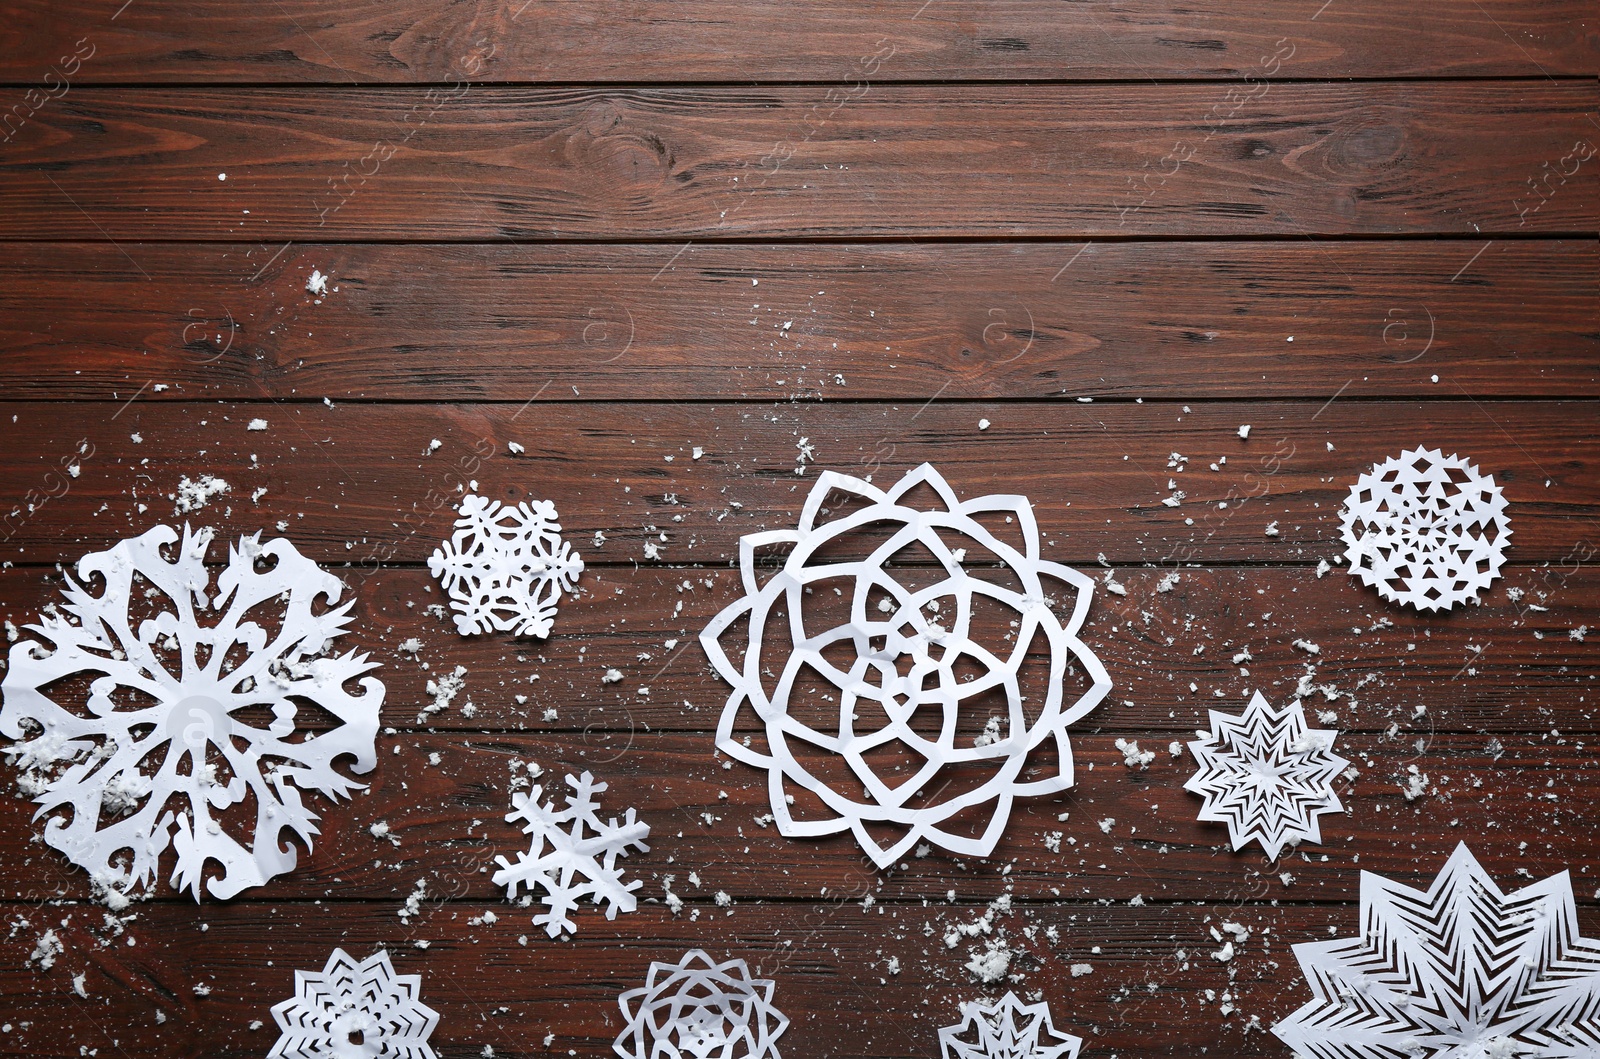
1006,1029
204,715
1426,529
915,694
1458,971
579,844
505,568
354,1010
700,1009
1266,775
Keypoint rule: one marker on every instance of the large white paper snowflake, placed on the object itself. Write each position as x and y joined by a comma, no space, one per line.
1266,775
354,1010
1426,529
700,1009
898,669
165,716
568,845
1006,1029
505,567
1458,971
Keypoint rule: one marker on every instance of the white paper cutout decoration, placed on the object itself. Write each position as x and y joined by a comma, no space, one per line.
505,567
1006,1029
354,1010
193,697
911,662
1266,775
1426,529
1458,971
700,1009
573,855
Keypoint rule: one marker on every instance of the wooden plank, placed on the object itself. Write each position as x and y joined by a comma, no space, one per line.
471,163
998,320
718,40
356,483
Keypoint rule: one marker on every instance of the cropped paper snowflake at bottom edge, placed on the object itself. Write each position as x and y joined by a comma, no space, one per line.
1006,1029
354,1010
505,567
700,1009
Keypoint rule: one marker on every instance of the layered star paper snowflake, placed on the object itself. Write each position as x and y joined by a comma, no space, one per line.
1458,971
1426,529
156,709
1266,775
700,1009
505,567
574,854
354,1010
1006,1029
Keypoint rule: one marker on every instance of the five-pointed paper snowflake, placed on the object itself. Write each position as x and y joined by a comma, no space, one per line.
1426,529
176,710
579,844
354,1010
700,1009
914,694
1006,1029
505,568
1459,971
1266,775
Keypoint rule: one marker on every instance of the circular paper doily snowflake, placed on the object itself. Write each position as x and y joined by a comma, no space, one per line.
698,1008
355,1010
505,567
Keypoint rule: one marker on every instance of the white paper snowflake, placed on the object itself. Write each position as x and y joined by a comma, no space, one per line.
504,567
1266,775
1426,529
912,656
700,1009
1006,1029
1459,971
154,693
568,844
354,1010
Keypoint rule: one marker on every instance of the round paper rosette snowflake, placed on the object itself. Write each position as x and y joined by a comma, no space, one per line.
1426,529
355,1010
159,715
700,1009
505,567
1006,1029
903,671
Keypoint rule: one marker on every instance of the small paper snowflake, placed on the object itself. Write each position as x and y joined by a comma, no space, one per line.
569,843
504,567
1461,970
354,1010
1426,529
1266,775
181,721
700,1009
1006,1029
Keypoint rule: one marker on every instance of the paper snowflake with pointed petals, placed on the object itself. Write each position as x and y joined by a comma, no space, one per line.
1426,529
1460,970
1006,1029
154,693
700,1009
1266,775
898,669
505,567
574,854
354,1010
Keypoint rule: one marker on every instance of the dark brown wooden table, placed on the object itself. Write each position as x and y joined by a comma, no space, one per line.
611,233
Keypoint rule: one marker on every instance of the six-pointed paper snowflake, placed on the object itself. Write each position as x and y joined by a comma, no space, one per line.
915,694
1006,1029
700,1009
1266,775
156,694
354,1010
1458,971
504,567
568,844
1426,529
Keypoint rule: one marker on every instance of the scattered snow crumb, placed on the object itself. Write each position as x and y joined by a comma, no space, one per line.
515,449
612,676
80,985
1271,530
1308,647
983,424
1132,756
1081,969
257,424
1244,431
194,495
318,283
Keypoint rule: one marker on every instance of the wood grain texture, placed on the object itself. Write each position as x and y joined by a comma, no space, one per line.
995,321
1286,160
